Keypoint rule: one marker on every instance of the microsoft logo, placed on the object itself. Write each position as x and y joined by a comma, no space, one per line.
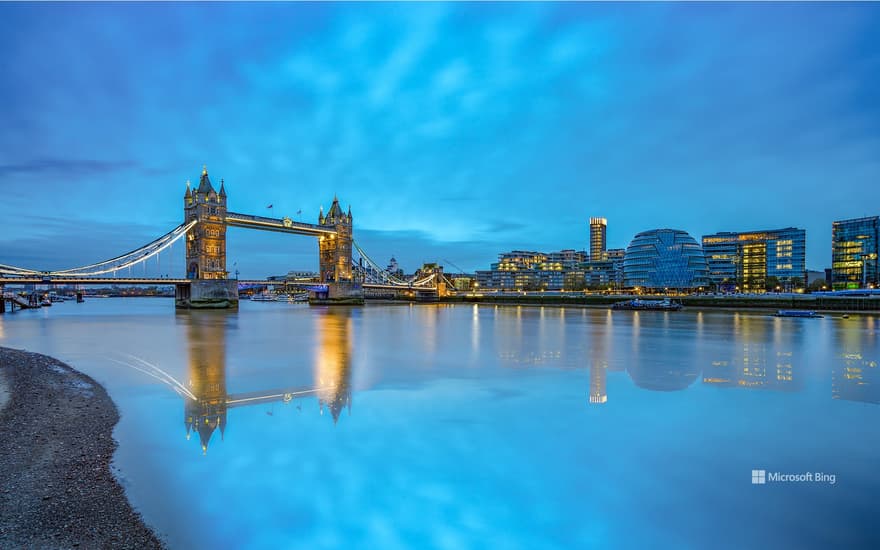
759,477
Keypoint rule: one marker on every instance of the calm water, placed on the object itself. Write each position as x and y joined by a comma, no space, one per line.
481,427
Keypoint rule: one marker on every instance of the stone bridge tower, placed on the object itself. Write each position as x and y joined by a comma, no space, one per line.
334,259
209,285
334,251
206,242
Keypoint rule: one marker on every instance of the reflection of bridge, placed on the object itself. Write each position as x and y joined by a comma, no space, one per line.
345,270
206,401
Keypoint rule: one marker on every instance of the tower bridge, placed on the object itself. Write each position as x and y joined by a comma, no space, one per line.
343,277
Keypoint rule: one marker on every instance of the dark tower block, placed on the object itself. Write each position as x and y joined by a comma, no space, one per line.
334,259
209,285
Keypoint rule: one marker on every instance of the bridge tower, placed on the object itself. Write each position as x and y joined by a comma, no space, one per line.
209,285
334,258
206,242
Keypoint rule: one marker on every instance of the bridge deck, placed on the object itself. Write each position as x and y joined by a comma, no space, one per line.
89,281
282,225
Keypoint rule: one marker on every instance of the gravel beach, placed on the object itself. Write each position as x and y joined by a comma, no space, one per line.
56,444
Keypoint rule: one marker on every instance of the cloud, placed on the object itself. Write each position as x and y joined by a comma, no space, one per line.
461,123
65,167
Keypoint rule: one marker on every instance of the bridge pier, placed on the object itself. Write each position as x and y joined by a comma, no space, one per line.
207,294
341,293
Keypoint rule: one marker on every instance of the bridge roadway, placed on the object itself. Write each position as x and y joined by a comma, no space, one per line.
282,225
161,281
40,280
36,279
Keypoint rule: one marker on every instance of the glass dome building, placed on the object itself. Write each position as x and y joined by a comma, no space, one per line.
665,258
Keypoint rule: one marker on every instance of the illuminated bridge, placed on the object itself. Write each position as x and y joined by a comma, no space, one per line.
345,270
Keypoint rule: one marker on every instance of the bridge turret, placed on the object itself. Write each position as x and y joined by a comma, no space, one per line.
188,196
206,242
335,250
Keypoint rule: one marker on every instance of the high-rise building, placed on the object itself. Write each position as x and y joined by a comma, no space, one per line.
854,253
598,228
747,260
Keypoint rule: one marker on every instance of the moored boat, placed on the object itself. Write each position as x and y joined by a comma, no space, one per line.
807,314
648,305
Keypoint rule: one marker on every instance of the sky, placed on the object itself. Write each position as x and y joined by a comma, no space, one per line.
454,131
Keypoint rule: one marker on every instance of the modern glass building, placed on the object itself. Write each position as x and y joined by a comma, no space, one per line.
598,228
665,258
747,260
854,253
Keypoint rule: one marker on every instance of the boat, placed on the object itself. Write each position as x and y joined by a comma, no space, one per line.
46,302
263,297
648,305
807,314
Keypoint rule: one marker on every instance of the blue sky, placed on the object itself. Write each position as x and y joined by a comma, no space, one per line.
454,131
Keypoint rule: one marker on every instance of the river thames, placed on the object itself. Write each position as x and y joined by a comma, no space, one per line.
439,426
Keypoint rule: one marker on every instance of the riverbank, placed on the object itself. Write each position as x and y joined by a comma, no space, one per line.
770,302
56,445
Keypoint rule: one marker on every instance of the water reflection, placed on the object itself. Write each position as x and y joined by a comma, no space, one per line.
665,356
333,360
671,353
759,358
207,402
855,375
203,414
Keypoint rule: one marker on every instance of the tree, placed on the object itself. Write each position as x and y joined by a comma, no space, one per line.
771,283
817,285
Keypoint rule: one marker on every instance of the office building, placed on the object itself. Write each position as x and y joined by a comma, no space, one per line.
854,253
757,261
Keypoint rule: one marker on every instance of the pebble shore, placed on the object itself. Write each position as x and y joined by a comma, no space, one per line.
56,445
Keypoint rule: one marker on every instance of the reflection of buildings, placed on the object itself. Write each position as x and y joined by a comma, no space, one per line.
206,332
758,364
855,375
662,376
333,361
598,376
599,345
601,342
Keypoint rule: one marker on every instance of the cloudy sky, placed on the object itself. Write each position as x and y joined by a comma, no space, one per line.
454,131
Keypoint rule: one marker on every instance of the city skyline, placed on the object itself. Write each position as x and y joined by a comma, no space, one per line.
455,132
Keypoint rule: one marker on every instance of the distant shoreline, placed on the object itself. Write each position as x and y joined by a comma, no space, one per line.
767,302
56,445
867,305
